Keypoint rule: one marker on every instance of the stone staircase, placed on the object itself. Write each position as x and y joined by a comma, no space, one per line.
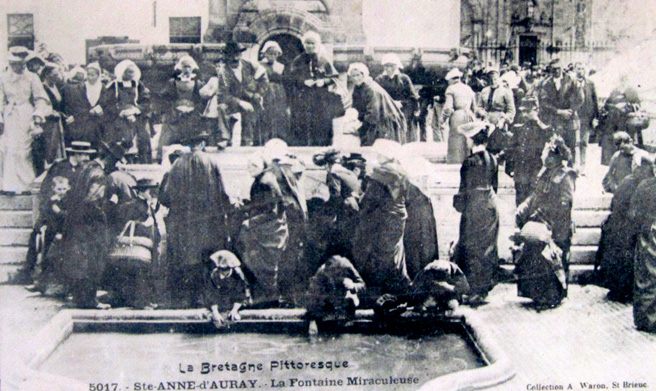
15,229
440,181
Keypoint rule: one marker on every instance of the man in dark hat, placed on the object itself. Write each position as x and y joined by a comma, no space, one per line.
196,223
240,87
560,101
524,155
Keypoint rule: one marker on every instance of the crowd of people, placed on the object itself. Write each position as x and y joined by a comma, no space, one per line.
99,227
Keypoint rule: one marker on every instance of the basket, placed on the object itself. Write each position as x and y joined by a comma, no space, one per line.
132,249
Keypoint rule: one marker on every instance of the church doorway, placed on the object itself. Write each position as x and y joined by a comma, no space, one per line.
291,47
528,49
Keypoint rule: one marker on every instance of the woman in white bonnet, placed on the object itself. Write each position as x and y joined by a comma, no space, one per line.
381,118
84,106
128,109
181,94
275,116
399,86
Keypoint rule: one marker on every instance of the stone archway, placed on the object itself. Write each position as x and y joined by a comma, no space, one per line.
267,23
290,44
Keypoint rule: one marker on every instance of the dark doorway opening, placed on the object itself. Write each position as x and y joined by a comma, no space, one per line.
291,47
528,49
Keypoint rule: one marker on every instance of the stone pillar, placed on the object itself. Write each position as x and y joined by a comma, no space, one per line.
218,21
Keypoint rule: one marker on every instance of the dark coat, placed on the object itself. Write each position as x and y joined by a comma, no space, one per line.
590,108
420,236
400,88
198,205
476,252
380,116
381,262
86,238
617,244
551,203
570,96
231,90
643,211
312,108
86,126
121,96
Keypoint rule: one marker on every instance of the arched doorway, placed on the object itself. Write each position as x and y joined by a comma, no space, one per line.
290,44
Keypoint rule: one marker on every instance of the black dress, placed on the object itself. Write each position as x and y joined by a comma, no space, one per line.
477,253
313,108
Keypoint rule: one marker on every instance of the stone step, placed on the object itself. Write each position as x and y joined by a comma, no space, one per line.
14,236
583,254
7,272
12,255
16,219
15,202
586,237
589,218
586,201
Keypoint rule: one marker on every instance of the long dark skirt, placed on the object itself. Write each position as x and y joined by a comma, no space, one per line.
615,255
261,245
644,293
541,278
275,116
477,252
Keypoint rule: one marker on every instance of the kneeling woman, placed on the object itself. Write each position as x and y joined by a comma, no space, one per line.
543,277
477,253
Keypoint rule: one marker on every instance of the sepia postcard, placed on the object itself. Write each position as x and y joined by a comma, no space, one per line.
327,195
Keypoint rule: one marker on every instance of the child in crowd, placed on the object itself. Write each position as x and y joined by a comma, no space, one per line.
46,279
440,286
334,290
231,290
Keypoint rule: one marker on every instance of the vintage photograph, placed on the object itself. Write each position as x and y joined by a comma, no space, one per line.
327,195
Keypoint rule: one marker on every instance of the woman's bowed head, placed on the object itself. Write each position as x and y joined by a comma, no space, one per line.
556,153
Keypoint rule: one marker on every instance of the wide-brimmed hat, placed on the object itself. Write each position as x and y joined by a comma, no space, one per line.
145,183
453,73
555,63
80,147
232,47
116,150
471,129
225,259
34,56
354,159
18,54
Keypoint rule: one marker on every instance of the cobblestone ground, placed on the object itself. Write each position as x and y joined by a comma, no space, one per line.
588,339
